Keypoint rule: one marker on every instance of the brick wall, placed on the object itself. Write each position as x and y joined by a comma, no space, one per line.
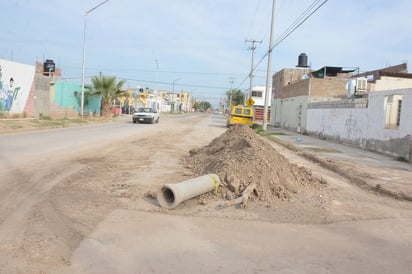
29,107
300,88
328,87
41,94
286,81
60,112
290,83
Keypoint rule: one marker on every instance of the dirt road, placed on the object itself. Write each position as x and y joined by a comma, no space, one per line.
92,211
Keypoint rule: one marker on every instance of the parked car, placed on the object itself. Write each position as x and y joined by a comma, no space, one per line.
145,115
128,109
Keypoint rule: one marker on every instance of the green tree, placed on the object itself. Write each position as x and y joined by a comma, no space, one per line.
204,105
109,89
236,97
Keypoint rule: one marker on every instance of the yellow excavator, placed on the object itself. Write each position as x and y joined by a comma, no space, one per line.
240,115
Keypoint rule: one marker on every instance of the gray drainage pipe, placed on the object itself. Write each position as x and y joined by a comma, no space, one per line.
171,195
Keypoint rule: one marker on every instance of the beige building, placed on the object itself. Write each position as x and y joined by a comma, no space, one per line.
394,77
371,110
298,88
294,89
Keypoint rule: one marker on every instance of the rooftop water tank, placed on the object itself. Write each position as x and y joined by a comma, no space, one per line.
302,60
48,67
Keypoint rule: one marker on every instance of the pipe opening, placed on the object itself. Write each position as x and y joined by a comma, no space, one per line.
168,195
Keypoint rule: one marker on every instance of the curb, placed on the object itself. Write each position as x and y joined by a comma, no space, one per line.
356,180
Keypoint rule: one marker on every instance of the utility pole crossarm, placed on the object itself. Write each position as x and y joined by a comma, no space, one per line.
252,48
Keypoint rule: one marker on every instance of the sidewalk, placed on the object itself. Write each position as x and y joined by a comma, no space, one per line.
388,176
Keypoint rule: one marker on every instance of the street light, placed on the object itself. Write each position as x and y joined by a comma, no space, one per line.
84,55
174,81
157,76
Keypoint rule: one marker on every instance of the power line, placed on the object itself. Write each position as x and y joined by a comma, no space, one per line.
296,24
165,71
292,28
171,83
154,82
254,17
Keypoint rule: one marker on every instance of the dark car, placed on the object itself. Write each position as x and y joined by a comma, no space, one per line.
128,109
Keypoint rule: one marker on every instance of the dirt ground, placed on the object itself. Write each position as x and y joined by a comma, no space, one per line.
30,124
78,193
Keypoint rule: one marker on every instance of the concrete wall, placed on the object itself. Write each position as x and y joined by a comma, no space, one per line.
13,98
389,83
66,94
260,101
65,100
290,113
30,94
365,126
41,95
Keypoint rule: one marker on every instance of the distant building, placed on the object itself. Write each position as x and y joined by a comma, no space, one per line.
394,77
30,91
258,95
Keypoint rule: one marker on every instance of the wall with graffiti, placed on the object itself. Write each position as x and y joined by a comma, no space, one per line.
383,123
15,83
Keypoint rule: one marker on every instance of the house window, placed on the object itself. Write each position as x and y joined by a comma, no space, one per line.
256,93
392,108
398,117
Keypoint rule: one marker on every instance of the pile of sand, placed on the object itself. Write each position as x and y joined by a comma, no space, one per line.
241,158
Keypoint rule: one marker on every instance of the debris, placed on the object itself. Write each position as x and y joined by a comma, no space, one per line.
150,194
247,164
242,200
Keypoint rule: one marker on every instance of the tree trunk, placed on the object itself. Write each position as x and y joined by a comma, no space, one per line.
106,109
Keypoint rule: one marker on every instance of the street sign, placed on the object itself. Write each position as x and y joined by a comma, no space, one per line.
250,102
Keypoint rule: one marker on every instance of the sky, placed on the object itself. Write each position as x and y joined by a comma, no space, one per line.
200,46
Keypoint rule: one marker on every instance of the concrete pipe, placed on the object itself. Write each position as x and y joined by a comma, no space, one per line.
171,195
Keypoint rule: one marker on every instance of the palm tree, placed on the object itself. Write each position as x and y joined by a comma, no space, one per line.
109,89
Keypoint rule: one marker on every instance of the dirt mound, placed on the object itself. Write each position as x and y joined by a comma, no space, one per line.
250,168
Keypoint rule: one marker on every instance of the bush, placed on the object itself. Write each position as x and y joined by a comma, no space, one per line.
44,117
402,159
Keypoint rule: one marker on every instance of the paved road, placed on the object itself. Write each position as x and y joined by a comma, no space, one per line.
146,240
25,147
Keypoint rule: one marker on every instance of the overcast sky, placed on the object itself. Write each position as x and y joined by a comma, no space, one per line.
200,45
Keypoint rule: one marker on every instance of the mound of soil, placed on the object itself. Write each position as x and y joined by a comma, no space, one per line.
250,168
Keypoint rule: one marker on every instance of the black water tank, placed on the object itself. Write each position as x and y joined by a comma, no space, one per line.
303,60
48,66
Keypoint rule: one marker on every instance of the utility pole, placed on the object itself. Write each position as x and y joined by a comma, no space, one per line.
252,48
157,77
268,72
231,90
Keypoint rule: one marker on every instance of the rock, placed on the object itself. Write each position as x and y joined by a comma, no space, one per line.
150,194
233,183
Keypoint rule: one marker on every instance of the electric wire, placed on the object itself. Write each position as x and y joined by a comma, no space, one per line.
295,25
171,83
254,18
